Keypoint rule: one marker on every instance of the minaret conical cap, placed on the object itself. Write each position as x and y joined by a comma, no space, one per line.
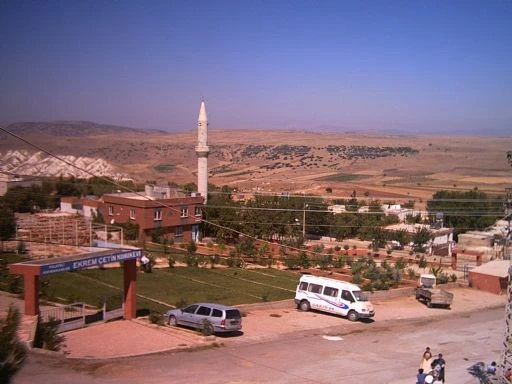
202,112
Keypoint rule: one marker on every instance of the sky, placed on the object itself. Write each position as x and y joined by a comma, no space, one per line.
436,66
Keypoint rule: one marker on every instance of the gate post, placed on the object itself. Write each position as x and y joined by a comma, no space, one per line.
30,275
130,289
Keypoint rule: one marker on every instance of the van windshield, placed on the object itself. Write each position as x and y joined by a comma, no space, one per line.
360,296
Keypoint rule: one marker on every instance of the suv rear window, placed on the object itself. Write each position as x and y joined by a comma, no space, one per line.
233,314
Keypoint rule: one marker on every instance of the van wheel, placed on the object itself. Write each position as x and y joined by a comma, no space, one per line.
353,316
304,306
172,321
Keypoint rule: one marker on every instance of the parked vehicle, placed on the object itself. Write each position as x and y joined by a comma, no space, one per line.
427,292
208,317
333,296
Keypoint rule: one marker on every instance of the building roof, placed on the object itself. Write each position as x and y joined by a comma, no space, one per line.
497,268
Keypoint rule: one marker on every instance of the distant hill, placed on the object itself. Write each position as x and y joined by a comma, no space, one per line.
71,128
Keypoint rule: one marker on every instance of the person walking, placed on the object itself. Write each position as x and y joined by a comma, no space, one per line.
439,366
426,360
420,377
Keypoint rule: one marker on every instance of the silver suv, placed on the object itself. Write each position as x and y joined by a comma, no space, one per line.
207,317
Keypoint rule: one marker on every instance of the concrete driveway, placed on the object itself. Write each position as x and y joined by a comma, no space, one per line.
262,322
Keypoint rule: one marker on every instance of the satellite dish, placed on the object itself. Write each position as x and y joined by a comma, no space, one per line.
112,221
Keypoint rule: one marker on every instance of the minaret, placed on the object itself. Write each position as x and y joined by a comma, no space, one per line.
202,152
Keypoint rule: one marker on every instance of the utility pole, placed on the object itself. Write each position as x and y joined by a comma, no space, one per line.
507,342
304,222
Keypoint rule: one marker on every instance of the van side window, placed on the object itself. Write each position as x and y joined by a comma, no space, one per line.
204,311
315,288
346,295
329,291
303,286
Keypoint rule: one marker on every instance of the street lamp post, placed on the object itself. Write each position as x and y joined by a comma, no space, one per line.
304,222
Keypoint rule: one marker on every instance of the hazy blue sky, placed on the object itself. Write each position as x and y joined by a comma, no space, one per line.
423,66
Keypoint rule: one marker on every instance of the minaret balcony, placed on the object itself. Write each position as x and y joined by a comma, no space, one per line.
202,149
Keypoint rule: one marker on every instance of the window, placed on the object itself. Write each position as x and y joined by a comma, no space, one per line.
346,295
329,291
111,210
315,288
179,231
197,211
216,313
190,309
204,311
157,214
184,212
132,214
303,286
233,314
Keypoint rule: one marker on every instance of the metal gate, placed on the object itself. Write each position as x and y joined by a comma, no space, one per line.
74,316
113,306
68,317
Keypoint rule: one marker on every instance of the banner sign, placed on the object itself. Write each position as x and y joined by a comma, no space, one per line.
93,261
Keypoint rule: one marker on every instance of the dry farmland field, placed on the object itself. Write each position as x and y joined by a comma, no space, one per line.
386,167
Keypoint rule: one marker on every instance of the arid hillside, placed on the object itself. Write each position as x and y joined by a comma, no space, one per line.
330,164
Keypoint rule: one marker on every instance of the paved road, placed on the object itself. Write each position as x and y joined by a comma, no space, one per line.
380,352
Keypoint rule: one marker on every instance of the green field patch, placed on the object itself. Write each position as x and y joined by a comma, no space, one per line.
342,177
164,168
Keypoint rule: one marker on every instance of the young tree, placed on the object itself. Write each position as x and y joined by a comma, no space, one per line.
7,225
12,350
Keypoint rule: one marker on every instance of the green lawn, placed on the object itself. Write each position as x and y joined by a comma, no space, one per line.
166,287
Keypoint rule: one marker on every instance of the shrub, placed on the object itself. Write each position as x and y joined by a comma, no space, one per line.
411,273
12,350
171,260
401,263
341,261
156,318
304,261
14,284
443,278
191,260
453,277
291,262
47,337
356,279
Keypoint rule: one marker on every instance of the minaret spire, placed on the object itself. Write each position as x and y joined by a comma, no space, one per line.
202,151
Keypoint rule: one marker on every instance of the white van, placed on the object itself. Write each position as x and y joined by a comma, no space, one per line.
334,296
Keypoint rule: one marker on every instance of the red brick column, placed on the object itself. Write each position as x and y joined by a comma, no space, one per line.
130,289
454,261
31,284
30,275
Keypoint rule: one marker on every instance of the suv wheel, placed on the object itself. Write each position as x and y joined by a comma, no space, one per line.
172,321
